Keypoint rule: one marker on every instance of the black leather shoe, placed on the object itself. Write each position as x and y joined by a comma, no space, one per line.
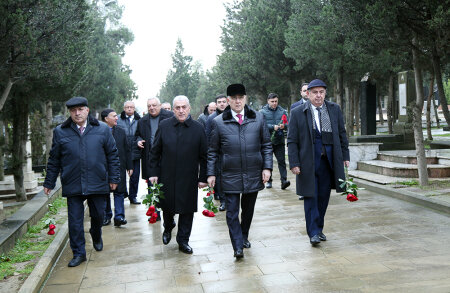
119,222
247,244
301,197
314,240
106,221
239,253
222,207
167,236
76,261
322,237
269,185
183,247
134,201
98,245
285,184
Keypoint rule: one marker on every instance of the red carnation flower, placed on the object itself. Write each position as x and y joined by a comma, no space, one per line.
352,197
208,194
205,213
150,211
51,226
211,214
51,232
284,119
152,220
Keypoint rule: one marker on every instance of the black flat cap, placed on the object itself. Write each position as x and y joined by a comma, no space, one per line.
316,83
236,89
77,101
105,113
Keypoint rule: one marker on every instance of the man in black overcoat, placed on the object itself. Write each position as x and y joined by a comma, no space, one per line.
146,131
318,152
178,161
109,116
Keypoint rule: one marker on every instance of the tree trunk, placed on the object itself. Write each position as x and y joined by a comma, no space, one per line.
340,88
356,99
430,94
5,93
440,85
292,94
48,128
348,112
2,153
380,110
438,123
20,136
390,105
417,117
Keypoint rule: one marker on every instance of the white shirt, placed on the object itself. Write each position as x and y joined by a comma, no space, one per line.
130,118
84,125
236,117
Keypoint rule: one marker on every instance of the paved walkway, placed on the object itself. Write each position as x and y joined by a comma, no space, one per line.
377,244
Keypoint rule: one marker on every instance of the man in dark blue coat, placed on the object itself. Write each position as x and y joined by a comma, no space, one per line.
128,120
304,97
241,140
85,153
273,113
318,152
109,116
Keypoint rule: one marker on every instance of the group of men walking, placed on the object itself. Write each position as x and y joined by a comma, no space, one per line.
231,150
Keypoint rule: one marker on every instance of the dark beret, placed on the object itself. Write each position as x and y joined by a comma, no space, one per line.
105,113
316,83
235,89
272,96
77,101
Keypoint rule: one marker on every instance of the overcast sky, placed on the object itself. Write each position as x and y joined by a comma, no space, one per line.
156,25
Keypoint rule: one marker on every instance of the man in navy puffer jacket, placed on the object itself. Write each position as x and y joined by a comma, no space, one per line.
85,154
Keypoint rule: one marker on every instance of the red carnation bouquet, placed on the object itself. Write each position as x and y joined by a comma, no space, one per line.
283,121
211,209
152,201
50,224
351,189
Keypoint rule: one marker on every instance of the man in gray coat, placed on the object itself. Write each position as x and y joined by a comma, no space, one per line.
241,139
318,152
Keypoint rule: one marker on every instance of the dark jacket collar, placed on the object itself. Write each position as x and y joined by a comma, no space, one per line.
91,120
205,111
218,112
187,122
124,116
249,113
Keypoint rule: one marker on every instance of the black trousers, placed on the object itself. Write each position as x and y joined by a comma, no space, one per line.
184,225
280,153
75,208
239,230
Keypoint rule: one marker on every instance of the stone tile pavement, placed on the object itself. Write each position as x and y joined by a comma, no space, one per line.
377,244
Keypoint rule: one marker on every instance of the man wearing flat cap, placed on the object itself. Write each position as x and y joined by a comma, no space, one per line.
241,141
85,154
318,152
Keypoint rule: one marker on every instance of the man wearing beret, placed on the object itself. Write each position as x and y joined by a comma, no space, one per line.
318,152
85,154
241,141
109,116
